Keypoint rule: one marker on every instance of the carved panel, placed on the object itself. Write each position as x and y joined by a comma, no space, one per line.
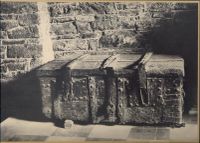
155,91
72,110
101,98
68,86
100,88
132,91
48,89
79,88
121,99
93,98
173,86
142,114
111,98
173,96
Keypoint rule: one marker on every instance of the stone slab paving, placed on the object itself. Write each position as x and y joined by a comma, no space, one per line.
162,133
115,132
75,131
143,133
13,129
61,138
190,132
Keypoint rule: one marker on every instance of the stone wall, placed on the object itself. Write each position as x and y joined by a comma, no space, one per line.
20,48
84,26
93,26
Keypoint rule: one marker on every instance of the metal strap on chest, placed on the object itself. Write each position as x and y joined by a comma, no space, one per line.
108,61
143,79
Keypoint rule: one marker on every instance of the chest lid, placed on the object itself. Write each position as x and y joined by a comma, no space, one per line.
165,65
53,68
89,61
124,61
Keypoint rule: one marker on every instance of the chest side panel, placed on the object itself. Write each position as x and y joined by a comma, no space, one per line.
74,103
130,107
48,91
173,99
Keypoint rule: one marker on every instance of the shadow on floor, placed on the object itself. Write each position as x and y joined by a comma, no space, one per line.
21,98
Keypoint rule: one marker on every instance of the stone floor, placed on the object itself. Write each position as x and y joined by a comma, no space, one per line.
13,129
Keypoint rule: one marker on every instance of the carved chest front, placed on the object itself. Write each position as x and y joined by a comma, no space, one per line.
114,88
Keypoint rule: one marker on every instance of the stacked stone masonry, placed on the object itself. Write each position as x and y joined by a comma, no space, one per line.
81,27
20,48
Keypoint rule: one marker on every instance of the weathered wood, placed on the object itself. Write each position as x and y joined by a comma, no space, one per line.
114,87
93,98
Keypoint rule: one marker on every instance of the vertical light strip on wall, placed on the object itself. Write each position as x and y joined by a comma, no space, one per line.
44,29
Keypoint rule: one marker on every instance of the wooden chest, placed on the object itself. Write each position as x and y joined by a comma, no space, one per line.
114,88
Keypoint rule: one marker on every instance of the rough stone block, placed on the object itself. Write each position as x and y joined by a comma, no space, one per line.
3,55
8,24
18,7
185,6
35,62
10,61
81,44
62,19
125,38
88,35
85,18
32,41
99,8
3,68
13,41
64,28
67,8
86,8
136,5
8,16
83,27
129,12
130,5
143,25
2,48
121,6
17,66
66,36
3,35
56,9
3,52
24,51
70,45
162,14
64,45
158,6
105,22
59,54
93,44
28,19
95,34
127,22
24,32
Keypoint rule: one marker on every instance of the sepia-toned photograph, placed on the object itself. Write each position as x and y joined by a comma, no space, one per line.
99,71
